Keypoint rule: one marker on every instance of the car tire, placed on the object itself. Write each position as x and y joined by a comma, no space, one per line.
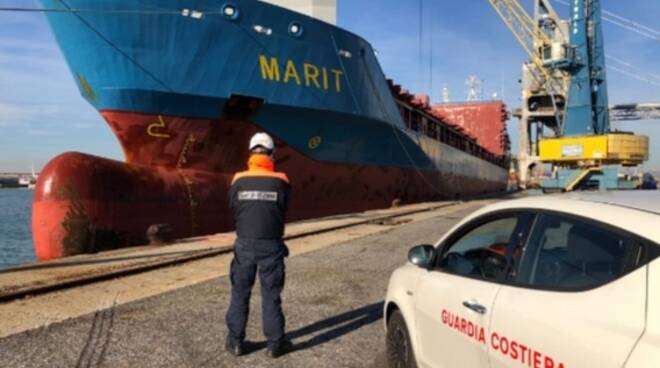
399,349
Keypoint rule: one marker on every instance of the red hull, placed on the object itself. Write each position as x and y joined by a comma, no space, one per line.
178,172
485,121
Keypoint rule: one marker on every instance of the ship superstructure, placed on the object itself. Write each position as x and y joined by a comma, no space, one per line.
325,10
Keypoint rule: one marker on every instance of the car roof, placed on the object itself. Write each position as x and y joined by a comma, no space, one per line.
642,200
635,211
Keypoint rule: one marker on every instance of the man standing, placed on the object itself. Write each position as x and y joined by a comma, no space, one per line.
648,182
259,199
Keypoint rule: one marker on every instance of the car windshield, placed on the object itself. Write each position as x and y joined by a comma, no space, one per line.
481,252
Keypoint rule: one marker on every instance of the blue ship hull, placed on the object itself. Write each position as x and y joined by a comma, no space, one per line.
147,56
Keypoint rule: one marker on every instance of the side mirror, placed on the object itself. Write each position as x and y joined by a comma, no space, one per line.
421,255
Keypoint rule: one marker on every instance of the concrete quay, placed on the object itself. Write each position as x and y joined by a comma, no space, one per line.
174,315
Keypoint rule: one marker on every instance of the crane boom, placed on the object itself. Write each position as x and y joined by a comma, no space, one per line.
525,29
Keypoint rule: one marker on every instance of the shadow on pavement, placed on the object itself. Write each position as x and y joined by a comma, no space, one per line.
336,326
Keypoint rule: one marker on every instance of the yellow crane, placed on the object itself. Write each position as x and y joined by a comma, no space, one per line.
570,95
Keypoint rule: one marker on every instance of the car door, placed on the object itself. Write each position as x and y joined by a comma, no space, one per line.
453,300
577,298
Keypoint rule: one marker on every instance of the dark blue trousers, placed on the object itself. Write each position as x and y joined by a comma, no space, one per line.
267,257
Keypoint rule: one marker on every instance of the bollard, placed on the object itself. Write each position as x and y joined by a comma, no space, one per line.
160,234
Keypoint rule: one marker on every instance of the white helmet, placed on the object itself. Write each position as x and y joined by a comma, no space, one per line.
262,140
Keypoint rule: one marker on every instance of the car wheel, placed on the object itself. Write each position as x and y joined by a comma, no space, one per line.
399,350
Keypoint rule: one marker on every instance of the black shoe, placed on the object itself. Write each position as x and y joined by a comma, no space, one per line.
235,349
283,348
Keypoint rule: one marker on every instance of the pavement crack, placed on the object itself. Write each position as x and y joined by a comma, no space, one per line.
98,338
82,358
107,337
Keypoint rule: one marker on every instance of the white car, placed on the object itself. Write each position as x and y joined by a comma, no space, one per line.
570,281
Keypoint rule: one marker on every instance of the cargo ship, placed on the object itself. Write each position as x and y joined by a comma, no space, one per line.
184,84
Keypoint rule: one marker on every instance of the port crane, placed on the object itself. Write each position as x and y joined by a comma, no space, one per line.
565,117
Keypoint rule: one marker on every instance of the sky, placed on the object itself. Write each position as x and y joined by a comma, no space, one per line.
42,113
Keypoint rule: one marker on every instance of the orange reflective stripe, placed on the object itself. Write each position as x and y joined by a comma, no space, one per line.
260,173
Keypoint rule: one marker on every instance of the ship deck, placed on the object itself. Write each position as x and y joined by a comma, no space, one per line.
149,306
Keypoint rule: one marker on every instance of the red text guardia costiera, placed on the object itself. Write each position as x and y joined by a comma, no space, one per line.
509,347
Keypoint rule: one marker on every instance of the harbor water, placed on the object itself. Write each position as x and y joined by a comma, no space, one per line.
15,227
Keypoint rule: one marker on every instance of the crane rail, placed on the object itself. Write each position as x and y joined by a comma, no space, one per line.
9,294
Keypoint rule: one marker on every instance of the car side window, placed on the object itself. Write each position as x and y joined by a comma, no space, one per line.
569,254
481,251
